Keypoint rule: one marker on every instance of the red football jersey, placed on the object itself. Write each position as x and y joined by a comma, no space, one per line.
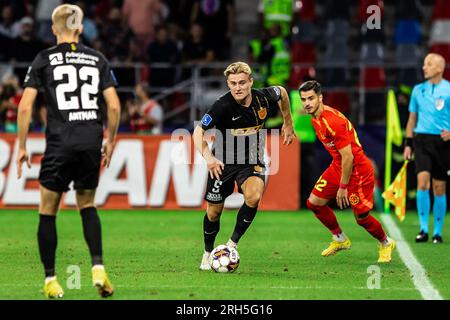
335,132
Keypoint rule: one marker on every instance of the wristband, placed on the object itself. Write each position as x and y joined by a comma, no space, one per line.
409,142
343,185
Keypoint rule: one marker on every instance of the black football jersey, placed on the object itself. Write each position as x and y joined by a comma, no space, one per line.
73,78
241,140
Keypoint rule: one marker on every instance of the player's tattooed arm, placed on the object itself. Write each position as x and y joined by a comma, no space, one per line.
287,131
23,123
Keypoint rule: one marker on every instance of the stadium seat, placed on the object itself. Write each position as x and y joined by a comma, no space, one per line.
372,53
442,49
440,31
304,52
371,35
408,10
362,9
337,30
336,9
299,74
374,106
373,77
441,10
337,99
336,77
407,31
408,55
307,11
304,31
336,54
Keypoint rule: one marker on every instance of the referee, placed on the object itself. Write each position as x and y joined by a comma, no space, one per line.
427,136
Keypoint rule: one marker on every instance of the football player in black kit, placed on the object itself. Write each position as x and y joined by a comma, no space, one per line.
238,117
73,78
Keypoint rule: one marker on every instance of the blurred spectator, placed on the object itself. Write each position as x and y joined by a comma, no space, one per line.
44,10
25,48
8,27
116,36
217,17
90,32
10,95
5,42
278,12
195,48
180,13
146,115
142,16
163,50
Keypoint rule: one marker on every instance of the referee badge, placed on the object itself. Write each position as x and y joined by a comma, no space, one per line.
439,104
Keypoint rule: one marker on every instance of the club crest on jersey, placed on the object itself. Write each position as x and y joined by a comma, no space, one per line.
206,120
262,113
56,59
439,103
354,199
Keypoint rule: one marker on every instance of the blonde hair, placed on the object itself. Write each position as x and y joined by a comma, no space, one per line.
238,67
67,17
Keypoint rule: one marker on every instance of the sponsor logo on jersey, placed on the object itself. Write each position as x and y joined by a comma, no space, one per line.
262,113
246,131
354,199
81,58
56,59
206,120
213,197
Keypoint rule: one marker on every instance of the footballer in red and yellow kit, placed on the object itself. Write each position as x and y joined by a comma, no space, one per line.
349,179
336,132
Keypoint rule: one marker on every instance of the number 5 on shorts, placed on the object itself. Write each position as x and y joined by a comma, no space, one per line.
320,184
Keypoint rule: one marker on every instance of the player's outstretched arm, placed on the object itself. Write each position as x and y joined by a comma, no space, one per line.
113,107
215,166
412,120
287,131
23,123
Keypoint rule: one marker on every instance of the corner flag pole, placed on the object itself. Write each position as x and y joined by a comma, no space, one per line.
393,135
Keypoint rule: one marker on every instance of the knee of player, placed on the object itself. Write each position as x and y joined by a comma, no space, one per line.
439,189
423,184
362,218
310,203
252,200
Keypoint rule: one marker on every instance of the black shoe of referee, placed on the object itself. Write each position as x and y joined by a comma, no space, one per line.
422,237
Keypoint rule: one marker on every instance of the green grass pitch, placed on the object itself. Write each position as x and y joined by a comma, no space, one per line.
156,254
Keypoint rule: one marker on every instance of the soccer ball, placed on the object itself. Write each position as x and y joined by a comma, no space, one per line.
224,259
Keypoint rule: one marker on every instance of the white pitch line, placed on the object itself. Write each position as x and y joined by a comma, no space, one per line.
418,273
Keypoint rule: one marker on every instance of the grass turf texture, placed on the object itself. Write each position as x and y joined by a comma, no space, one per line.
156,255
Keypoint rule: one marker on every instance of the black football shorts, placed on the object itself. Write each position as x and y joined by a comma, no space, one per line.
59,167
432,154
218,190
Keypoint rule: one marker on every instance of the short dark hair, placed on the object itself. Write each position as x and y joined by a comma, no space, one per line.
311,85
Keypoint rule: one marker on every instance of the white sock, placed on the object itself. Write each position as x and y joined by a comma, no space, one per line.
386,242
99,266
340,237
48,279
231,243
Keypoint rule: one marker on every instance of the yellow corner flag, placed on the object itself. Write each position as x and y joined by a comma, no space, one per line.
394,119
396,193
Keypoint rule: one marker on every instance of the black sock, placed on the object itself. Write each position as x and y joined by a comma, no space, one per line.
47,241
244,218
210,231
92,233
